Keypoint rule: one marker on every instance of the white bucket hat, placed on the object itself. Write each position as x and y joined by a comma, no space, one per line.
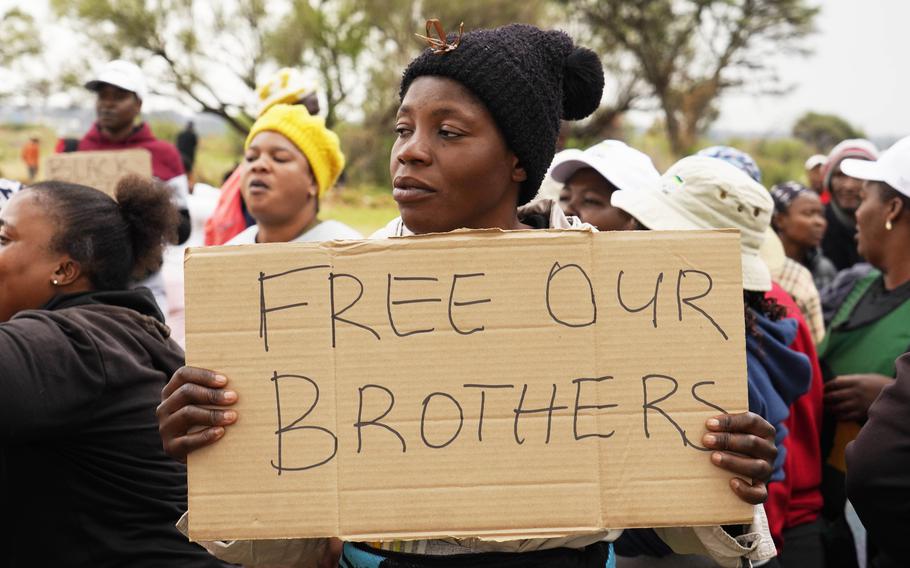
699,192
120,73
892,167
623,166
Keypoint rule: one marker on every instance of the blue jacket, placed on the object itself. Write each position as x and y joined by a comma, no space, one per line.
777,377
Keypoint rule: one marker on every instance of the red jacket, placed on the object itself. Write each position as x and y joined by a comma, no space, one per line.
797,499
166,163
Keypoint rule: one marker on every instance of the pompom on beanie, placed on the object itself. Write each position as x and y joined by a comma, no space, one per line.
529,79
309,134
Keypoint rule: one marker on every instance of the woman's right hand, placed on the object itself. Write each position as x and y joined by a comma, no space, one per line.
184,423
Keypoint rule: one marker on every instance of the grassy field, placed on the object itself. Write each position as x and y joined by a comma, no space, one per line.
363,208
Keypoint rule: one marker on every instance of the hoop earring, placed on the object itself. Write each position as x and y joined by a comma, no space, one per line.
888,225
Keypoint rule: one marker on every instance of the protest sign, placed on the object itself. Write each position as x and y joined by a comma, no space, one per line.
471,384
101,170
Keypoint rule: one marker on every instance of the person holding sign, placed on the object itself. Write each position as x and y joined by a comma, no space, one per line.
291,160
477,128
83,478
120,89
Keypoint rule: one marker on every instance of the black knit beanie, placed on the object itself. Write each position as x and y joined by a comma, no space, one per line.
528,79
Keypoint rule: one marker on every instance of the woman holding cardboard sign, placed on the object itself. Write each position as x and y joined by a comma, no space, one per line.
83,478
477,128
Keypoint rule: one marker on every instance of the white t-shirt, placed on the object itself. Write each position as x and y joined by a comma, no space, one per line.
324,231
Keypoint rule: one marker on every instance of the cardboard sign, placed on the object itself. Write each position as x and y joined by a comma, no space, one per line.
101,170
471,384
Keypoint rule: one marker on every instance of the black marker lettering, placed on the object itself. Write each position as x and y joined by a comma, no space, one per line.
652,405
294,425
263,320
652,302
703,401
556,269
390,303
690,300
453,303
361,423
336,314
548,409
483,399
423,418
578,406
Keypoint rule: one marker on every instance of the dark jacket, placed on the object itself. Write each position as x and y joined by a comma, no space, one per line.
777,377
85,481
839,242
877,465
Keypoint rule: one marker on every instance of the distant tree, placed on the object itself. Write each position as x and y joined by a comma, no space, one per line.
18,36
687,53
824,131
19,43
211,52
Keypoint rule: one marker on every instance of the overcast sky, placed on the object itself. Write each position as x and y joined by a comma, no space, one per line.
859,69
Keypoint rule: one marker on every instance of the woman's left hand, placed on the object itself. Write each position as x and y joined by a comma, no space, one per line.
743,444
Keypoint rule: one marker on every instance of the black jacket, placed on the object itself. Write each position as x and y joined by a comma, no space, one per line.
85,481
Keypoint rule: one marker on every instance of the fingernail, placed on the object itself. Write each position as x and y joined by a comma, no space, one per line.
230,416
710,439
229,396
217,432
220,379
717,457
713,423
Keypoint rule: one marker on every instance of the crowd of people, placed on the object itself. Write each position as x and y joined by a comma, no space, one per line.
99,412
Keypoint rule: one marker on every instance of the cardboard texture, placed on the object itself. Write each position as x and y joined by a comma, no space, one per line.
420,409
101,170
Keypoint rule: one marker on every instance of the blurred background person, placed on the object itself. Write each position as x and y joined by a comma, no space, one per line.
839,243
870,329
799,221
186,142
286,86
815,174
590,177
120,88
31,155
83,358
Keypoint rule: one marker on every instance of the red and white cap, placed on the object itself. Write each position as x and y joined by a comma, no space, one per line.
892,167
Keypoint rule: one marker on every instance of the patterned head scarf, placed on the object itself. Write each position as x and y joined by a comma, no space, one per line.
784,194
734,157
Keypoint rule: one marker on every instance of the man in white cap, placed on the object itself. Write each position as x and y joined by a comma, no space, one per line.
591,176
815,172
120,88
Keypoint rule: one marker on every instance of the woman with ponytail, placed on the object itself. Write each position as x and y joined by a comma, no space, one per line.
477,127
84,480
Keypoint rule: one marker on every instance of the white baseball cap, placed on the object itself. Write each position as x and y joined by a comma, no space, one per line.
815,161
623,166
120,73
892,167
699,192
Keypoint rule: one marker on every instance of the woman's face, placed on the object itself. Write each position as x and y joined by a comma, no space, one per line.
586,195
804,222
28,266
277,184
871,234
450,165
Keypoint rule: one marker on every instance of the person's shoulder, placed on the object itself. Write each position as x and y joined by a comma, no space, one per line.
394,228
245,237
336,230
